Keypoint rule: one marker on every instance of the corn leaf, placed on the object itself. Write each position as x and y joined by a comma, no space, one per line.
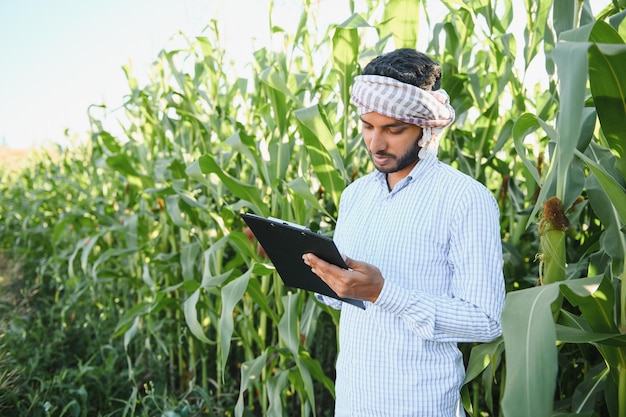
325,157
596,300
122,164
527,123
307,381
571,61
346,50
614,191
303,190
210,256
576,335
275,386
315,369
607,66
176,214
260,298
207,165
401,19
345,60
481,356
188,256
272,78
531,355
250,372
288,325
278,91
191,317
529,336
537,12
231,295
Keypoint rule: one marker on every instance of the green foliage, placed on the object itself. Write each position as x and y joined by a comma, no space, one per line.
140,292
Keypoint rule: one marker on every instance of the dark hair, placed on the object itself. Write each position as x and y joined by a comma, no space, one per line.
408,66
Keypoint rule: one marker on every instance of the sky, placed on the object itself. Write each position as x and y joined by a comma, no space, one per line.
59,57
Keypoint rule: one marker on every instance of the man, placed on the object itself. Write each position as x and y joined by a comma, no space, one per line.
422,241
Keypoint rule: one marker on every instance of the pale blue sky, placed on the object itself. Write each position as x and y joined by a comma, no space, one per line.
58,57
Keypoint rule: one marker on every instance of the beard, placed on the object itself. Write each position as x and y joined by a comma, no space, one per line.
410,157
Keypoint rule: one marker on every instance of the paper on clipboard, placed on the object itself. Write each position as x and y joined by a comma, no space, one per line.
286,242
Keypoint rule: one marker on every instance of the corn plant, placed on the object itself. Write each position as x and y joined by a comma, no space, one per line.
582,190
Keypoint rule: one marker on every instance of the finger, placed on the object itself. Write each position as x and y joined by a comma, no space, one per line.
318,266
352,264
309,258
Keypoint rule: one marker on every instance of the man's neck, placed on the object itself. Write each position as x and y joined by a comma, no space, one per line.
395,177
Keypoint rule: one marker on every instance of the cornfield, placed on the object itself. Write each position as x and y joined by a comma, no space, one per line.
128,283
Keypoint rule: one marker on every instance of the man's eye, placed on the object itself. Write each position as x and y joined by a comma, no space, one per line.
396,131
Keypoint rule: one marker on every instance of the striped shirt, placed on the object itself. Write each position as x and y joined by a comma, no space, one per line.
436,239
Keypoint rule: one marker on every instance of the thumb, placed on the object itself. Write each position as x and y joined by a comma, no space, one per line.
351,263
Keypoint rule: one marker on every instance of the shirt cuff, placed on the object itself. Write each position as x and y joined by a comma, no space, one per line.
417,311
329,301
392,298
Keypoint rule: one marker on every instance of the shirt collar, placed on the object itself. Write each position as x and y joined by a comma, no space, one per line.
421,169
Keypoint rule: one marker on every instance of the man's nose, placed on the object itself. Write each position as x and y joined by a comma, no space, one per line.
377,141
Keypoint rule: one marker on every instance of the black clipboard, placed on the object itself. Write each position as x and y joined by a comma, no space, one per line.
286,242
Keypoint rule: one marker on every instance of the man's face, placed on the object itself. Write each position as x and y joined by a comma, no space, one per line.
392,144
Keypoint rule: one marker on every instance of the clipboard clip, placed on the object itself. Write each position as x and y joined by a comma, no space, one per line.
296,225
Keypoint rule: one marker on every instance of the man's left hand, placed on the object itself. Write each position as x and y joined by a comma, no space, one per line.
362,281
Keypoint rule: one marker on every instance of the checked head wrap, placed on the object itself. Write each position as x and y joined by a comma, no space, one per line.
430,110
